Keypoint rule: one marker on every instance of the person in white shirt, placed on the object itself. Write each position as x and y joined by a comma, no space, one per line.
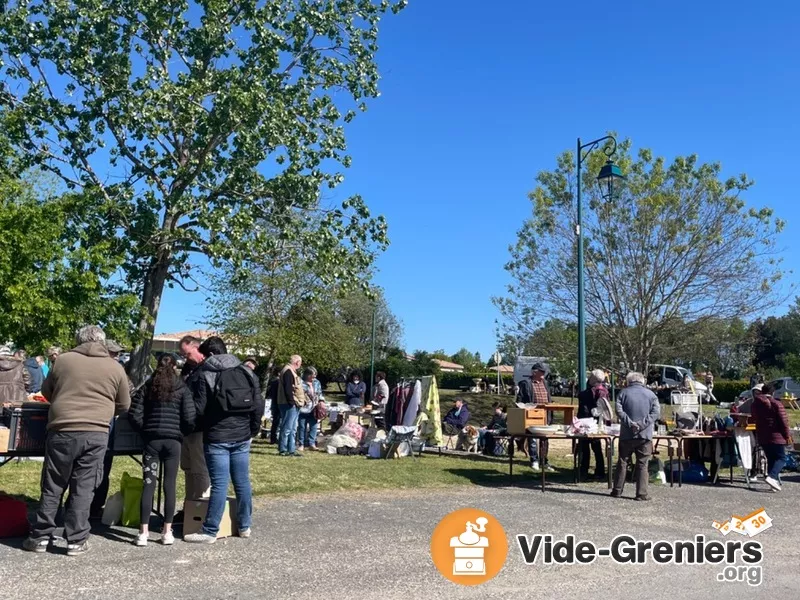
380,395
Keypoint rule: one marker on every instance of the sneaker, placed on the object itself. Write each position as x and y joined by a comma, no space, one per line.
77,549
773,483
296,455
615,494
314,448
245,533
642,498
32,545
141,540
283,454
535,466
199,538
549,469
167,539
299,448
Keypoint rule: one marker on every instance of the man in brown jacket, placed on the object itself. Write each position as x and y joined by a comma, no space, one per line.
15,380
85,390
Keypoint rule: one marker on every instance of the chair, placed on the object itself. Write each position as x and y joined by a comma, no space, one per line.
398,437
687,403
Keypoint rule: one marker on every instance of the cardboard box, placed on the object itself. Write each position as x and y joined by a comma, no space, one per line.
5,434
519,419
194,512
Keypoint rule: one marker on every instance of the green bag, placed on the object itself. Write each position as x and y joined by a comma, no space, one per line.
131,488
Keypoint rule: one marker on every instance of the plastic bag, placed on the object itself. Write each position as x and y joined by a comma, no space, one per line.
112,513
131,488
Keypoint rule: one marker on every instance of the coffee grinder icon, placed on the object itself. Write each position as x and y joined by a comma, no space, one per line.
469,549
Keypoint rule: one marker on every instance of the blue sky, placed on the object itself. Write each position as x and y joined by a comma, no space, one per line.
475,101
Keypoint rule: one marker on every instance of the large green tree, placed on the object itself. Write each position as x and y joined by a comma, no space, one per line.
677,245
196,121
57,265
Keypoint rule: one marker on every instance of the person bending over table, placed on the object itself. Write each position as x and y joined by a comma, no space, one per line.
637,410
592,404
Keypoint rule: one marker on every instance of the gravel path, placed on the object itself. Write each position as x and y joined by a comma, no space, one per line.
376,545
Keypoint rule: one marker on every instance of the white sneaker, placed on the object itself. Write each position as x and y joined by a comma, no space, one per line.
141,540
167,539
535,466
549,469
773,483
244,533
199,538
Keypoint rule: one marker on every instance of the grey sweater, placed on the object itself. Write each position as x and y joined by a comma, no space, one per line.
637,410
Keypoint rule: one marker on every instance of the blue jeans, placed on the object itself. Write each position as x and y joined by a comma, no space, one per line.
286,441
228,461
307,429
776,459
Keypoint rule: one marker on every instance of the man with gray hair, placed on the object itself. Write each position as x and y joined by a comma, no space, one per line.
85,389
637,410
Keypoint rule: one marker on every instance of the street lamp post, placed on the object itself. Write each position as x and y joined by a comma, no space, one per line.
606,178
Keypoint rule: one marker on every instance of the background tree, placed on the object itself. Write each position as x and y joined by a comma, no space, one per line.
471,361
54,270
212,116
776,338
676,246
280,307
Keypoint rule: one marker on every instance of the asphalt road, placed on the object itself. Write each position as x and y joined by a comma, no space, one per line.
376,546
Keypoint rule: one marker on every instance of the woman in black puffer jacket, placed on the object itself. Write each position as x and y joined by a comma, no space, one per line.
163,411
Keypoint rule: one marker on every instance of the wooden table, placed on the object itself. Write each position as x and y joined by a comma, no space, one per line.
539,437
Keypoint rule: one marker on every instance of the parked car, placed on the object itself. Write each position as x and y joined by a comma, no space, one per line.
785,385
670,376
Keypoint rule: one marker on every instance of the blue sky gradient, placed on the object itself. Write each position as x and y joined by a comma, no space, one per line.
478,97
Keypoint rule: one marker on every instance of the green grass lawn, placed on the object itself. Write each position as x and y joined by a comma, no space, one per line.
319,473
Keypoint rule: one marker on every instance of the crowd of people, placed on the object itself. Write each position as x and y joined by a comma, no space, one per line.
21,375
202,419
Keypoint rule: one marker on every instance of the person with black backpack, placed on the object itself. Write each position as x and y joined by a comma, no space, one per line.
229,408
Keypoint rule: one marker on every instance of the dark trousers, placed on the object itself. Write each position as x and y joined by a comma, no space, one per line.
643,450
73,460
155,451
101,494
596,447
776,459
276,423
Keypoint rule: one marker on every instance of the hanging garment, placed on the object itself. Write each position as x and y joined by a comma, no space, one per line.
744,441
412,408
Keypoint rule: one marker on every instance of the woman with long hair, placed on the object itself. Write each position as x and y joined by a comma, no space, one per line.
162,411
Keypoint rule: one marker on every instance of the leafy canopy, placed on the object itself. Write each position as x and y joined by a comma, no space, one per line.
205,126
677,245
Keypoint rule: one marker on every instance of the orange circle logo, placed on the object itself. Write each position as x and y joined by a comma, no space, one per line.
469,546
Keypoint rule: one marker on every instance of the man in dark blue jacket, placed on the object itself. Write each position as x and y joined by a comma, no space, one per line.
227,432
456,418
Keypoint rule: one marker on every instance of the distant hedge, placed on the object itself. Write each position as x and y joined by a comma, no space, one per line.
455,381
728,391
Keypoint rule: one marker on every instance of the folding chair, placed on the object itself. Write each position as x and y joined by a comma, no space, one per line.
398,437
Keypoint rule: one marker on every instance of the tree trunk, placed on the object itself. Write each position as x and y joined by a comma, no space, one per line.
151,301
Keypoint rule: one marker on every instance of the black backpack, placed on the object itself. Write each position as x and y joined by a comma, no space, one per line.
235,390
